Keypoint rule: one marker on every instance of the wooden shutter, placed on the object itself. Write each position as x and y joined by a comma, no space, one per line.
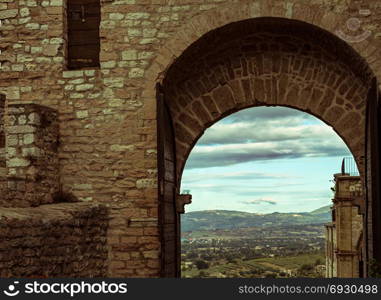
169,218
372,176
83,18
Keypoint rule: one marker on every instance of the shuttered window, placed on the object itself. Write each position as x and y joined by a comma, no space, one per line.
83,33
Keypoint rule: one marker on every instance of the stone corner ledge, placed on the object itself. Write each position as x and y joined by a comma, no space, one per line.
49,212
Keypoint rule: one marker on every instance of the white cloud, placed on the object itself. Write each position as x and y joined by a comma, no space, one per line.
234,140
264,158
260,201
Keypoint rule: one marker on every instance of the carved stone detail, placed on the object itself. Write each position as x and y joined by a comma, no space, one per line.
181,201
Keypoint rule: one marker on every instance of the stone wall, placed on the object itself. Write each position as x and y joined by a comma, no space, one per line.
3,169
330,247
107,116
60,240
2,113
31,139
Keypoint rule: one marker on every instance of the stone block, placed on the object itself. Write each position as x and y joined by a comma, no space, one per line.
71,74
17,162
50,50
82,114
84,87
32,162
8,13
129,55
116,16
136,73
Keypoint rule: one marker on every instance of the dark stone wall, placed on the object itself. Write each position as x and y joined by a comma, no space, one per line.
32,162
57,240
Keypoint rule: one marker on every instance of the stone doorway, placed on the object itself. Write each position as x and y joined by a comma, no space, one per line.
268,62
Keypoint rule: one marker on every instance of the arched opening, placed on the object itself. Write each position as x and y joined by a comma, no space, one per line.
257,62
262,186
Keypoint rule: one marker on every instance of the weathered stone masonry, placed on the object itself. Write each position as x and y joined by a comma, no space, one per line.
31,155
3,169
61,240
102,147
344,235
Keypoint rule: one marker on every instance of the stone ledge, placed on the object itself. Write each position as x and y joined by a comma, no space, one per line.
48,212
57,240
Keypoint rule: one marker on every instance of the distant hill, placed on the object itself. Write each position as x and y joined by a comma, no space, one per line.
227,219
321,210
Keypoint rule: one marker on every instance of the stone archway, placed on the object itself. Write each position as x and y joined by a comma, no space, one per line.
318,15
267,61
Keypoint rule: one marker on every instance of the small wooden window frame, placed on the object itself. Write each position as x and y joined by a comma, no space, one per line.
83,41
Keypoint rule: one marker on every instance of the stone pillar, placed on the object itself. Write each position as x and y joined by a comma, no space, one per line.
329,250
31,158
348,222
346,253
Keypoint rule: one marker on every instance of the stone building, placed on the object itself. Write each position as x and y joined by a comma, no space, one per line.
103,100
344,235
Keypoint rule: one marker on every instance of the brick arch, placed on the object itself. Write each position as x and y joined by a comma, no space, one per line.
259,62
314,14
320,17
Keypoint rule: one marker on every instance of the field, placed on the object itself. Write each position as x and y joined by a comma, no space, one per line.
287,266
239,244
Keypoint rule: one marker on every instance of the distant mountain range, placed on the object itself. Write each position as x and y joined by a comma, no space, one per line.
228,219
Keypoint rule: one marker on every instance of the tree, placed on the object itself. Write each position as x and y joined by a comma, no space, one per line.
306,267
192,254
270,275
202,274
201,264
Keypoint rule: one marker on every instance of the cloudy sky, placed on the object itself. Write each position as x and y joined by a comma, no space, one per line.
264,159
